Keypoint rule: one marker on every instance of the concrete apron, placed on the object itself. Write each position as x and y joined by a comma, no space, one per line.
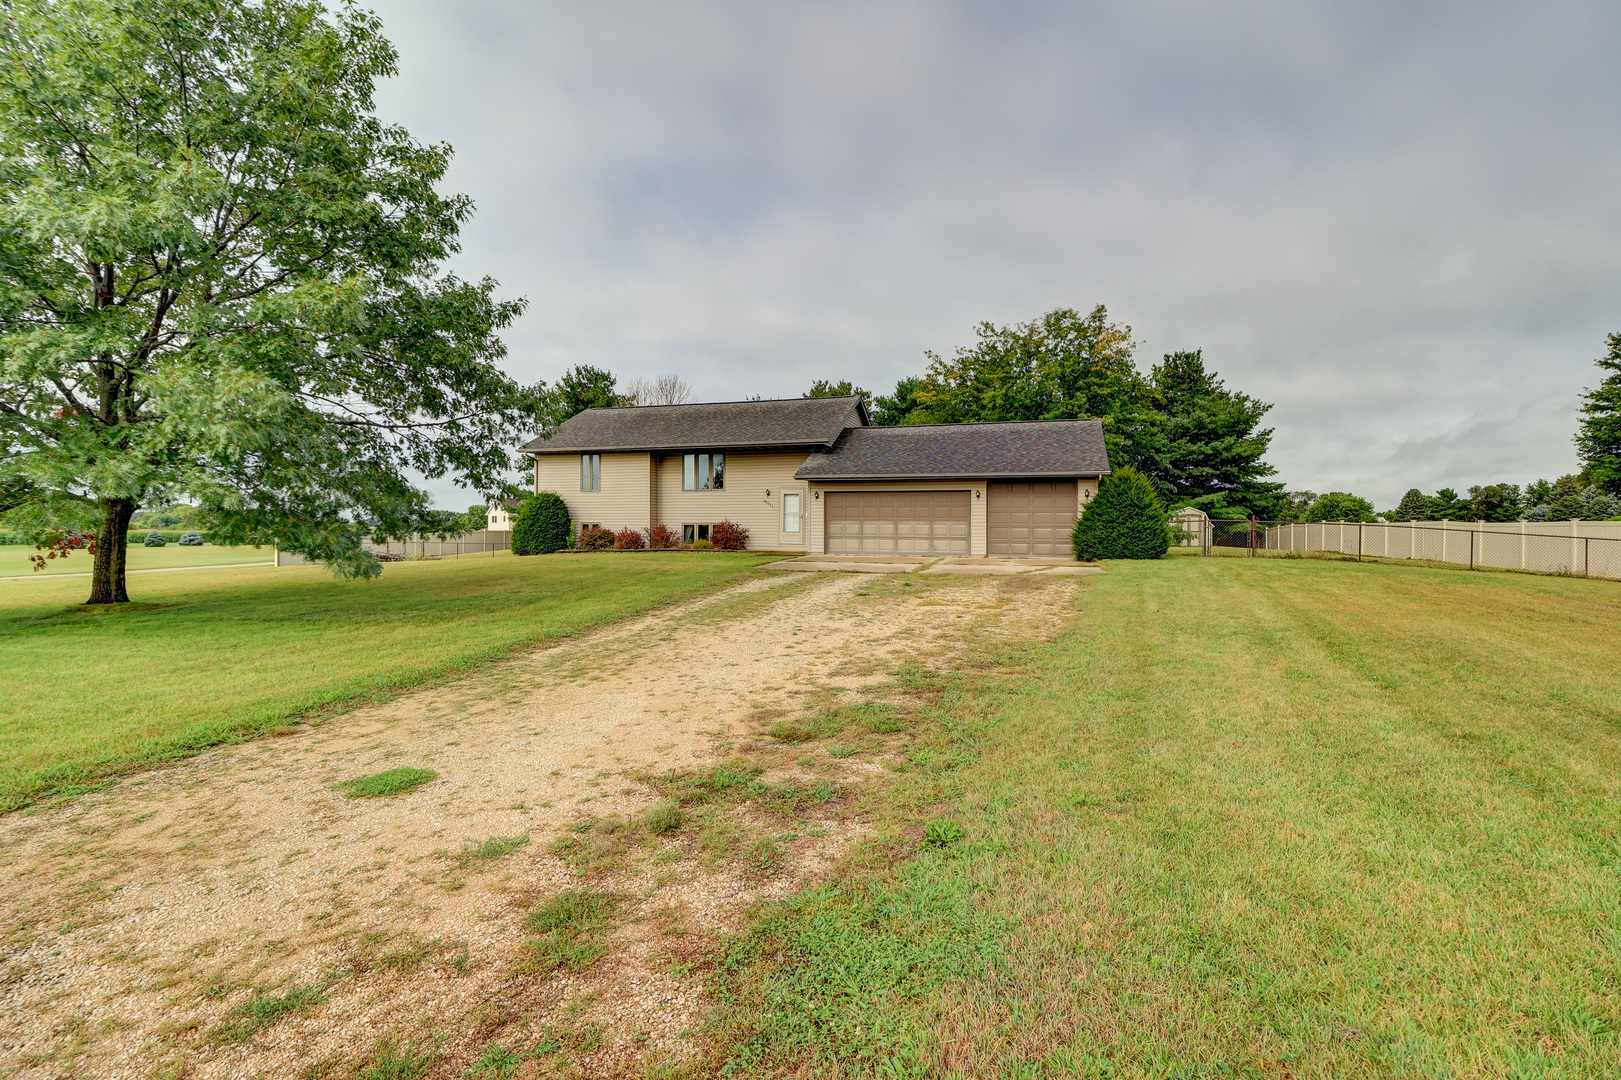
904,564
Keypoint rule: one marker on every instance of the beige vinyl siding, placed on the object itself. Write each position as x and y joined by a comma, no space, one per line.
624,502
743,499
817,537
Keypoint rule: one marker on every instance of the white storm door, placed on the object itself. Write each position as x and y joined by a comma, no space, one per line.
793,522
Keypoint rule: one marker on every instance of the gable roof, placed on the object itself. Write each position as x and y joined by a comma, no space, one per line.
1029,448
718,425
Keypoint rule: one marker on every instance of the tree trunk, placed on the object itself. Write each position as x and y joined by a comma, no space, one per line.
112,545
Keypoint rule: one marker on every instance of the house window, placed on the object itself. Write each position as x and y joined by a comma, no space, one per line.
703,472
689,533
590,472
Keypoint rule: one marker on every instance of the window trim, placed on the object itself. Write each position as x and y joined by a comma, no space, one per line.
691,531
590,472
704,471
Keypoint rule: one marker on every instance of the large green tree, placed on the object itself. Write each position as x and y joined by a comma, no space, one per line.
1199,443
1339,506
220,279
843,388
1063,365
1598,436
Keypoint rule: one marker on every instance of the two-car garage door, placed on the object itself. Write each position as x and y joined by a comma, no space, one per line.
897,522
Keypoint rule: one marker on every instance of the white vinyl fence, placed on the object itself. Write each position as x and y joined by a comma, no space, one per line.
484,542
1583,548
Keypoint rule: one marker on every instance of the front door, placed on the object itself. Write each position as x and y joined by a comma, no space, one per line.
793,519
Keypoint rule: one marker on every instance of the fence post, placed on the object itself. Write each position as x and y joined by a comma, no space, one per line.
1359,541
1471,549
1587,554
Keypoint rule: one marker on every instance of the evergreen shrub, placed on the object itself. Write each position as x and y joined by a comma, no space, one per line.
542,525
1126,520
155,539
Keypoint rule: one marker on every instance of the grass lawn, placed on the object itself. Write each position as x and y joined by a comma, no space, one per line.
210,657
14,559
1245,818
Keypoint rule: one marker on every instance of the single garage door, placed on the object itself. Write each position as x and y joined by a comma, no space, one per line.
896,522
1030,519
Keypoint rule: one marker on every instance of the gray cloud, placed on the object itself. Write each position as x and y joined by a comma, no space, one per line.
1396,221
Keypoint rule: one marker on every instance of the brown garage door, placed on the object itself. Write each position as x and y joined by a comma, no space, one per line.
1030,519
896,522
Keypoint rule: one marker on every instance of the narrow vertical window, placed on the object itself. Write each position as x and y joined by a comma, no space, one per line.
790,512
590,472
689,472
718,469
703,472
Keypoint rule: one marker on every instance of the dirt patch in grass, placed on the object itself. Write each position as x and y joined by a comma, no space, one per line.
141,920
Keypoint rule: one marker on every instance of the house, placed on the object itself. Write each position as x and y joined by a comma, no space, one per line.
813,475
498,518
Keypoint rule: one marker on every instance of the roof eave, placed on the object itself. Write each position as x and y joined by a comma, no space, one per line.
808,447
978,475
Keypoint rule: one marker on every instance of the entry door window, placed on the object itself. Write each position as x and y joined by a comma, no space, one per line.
790,512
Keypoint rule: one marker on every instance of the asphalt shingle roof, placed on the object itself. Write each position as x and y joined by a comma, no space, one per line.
963,451
807,422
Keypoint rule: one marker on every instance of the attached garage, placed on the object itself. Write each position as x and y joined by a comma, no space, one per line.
897,522
1030,519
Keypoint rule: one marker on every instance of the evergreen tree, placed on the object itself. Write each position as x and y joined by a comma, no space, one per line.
1415,506
889,410
542,525
1199,443
1126,520
1598,437
1446,506
1565,499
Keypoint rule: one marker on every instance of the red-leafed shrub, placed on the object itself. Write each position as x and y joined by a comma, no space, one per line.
728,536
663,538
629,540
595,538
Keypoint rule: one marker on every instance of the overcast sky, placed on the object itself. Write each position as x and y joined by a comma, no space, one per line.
1399,222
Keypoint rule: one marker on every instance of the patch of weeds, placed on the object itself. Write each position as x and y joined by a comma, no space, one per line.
495,1063
572,930
262,1011
822,725
389,782
407,957
763,857
602,841
719,838
664,819
942,833
395,1062
495,847
842,751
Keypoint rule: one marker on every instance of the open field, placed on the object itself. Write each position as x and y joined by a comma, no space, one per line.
1249,818
14,559
213,656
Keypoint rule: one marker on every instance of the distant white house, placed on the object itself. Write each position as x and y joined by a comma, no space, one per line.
500,515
